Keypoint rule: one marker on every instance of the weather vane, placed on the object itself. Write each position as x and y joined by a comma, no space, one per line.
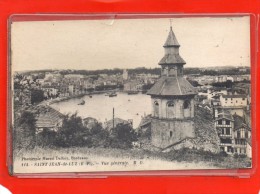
171,22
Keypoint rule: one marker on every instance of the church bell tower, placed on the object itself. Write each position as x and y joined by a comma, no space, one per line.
172,99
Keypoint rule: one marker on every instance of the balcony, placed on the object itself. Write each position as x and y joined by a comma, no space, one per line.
222,125
226,144
224,135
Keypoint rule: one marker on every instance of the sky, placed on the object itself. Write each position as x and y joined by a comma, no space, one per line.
128,43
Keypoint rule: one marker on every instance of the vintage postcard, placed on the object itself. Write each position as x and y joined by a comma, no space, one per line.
131,94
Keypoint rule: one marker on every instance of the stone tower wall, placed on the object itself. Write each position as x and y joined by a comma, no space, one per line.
167,132
177,111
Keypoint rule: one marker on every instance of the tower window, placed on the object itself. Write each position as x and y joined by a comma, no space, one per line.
186,104
156,109
170,133
170,112
181,71
170,104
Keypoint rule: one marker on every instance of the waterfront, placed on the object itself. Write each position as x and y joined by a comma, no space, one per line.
101,107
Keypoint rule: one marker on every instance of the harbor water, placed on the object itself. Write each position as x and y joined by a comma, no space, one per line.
100,107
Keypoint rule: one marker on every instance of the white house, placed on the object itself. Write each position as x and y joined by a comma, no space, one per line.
233,100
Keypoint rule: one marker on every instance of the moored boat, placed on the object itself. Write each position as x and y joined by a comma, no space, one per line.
82,102
132,92
112,94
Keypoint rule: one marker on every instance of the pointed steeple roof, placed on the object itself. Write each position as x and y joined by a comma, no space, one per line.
171,40
172,59
172,86
171,47
172,82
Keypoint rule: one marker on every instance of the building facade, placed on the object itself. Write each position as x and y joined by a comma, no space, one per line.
172,98
224,124
233,100
242,136
234,103
125,74
234,134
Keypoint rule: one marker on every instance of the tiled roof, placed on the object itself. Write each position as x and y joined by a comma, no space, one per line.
145,120
225,115
171,40
216,98
249,141
239,122
218,88
234,96
172,59
48,117
204,127
109,124
172,86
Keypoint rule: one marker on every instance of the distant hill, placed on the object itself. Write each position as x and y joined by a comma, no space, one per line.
225,67
216,70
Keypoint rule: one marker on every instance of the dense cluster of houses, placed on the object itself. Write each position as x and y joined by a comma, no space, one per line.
234,134
231,111
56,85
209,79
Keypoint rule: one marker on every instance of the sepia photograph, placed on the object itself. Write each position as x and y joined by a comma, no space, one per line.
150,94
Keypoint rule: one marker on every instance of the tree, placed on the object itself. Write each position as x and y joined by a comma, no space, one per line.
147,86
46,138
89,89
27,118
194,83
227,84
98,136
74,133
25,130
71,132
37,96
123,135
